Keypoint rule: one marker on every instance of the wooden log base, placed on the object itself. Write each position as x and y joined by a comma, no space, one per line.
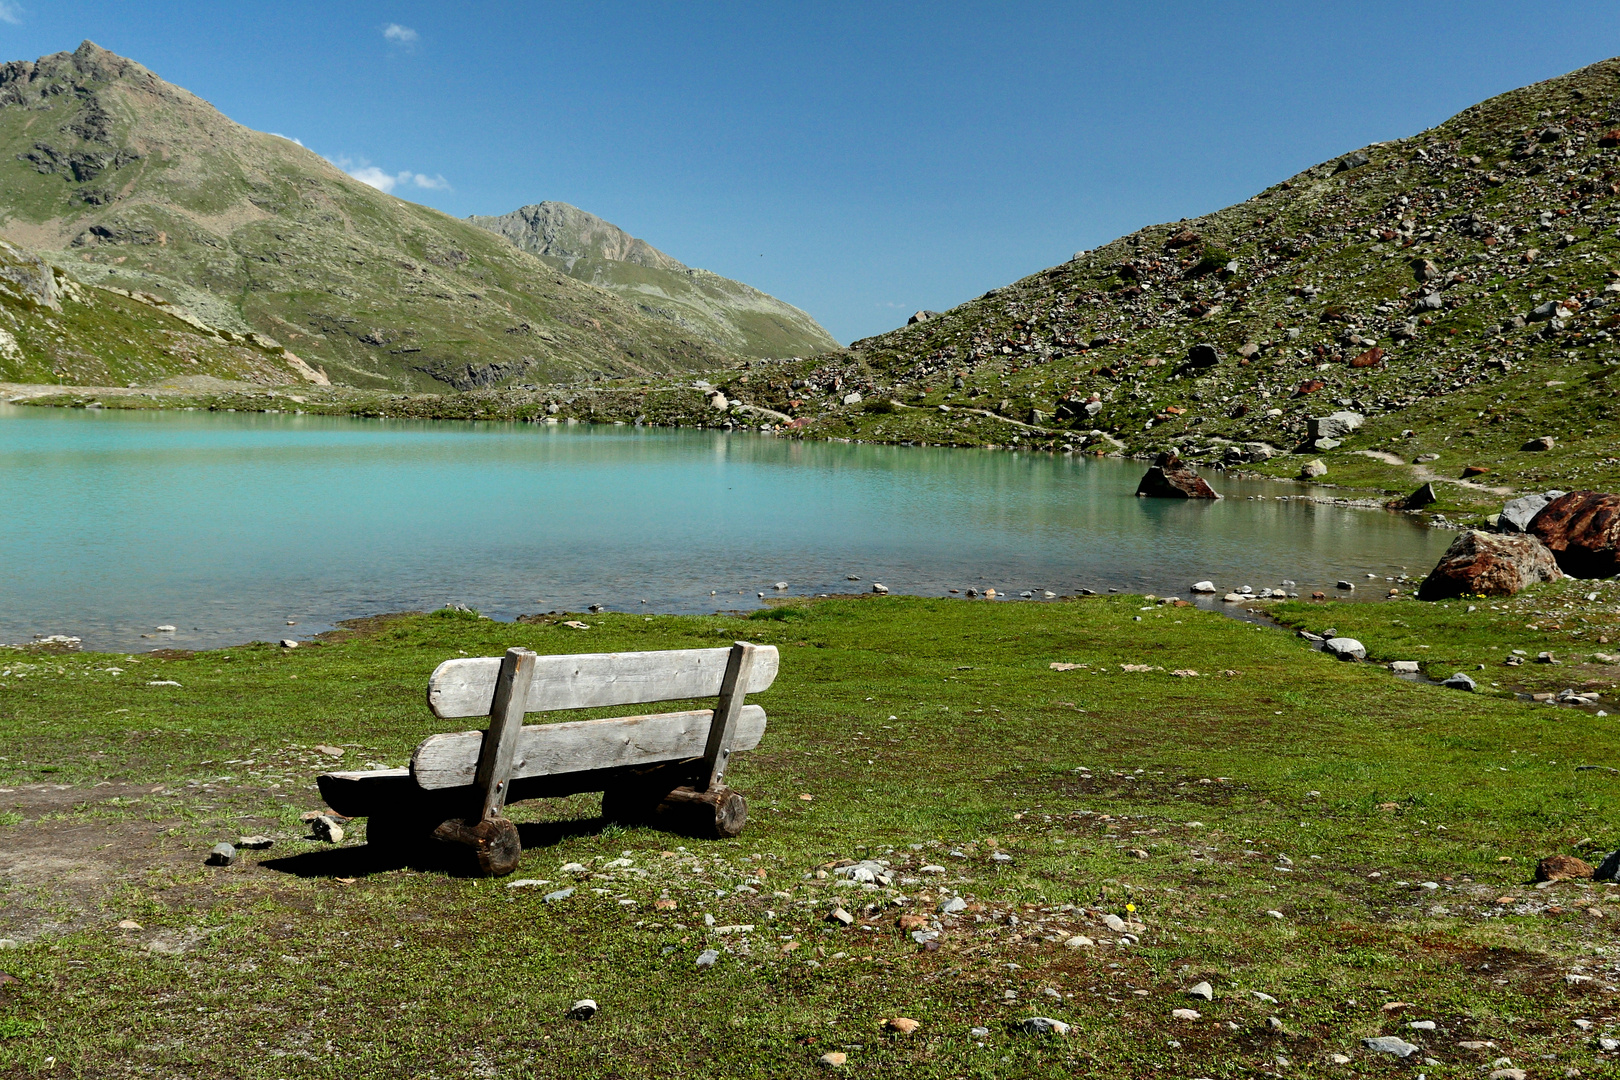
720,813
494,841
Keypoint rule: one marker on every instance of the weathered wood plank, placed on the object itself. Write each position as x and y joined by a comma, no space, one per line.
496,752
733,688
466,687
445,761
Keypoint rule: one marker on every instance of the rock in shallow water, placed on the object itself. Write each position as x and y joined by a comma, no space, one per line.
1345,648
1171,478
1489,564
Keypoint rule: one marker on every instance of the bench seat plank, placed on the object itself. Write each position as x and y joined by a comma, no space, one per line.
466,687
451,760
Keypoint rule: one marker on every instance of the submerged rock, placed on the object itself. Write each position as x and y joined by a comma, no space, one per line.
1489,564
1170,478
1582,529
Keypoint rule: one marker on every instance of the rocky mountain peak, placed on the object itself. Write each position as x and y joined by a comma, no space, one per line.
567,232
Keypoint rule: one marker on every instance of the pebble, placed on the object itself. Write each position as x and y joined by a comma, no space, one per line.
221,854
1042,1025
1267,998
1186,1014
1421,1025
832,1060
526,883
129,924
1114,923
956,903
1275,914
707,958
1202,990
1001,856
1339,1059
558,896
1080,941
978,1033
325,828
573,868
839,915
903,1024
254,843
583,1009
1390,1044
288,643
1508,1074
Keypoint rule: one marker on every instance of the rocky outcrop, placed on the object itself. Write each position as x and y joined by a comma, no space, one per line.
28,278
1582,529
1170,478
1489,564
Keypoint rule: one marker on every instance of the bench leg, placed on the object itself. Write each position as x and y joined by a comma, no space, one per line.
494,841
720,813
721,809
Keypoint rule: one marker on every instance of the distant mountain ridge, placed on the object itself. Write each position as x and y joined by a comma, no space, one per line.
140,186
733,316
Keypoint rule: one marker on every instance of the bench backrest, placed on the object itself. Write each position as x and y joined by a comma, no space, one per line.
467,687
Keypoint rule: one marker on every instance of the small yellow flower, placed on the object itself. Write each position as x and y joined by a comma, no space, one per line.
1130,907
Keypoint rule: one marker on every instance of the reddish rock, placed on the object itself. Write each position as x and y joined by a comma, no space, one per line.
1310,386
1562,868
1371,358
1610,138
1582,529
1489,564
1474,470
1170,478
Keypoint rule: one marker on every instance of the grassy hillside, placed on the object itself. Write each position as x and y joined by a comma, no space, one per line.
1429,248
735,317
137,184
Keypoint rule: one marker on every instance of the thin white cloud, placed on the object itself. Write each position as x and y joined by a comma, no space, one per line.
394,33
10,12
367,173
278,134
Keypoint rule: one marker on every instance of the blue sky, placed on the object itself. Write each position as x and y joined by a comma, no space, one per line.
860,160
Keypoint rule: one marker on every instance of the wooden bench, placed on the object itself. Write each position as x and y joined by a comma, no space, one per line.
649,768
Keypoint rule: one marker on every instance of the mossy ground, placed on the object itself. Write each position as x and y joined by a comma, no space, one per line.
1392,826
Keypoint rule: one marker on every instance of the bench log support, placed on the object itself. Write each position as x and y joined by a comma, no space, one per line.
493,838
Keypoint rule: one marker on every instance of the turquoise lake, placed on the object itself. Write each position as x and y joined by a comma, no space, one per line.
229,525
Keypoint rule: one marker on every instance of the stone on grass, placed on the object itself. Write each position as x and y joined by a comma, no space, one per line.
1390,1044
1489,564
221,854
1517,513
1345,648
839,915
1334,426
1507,1074
1404,667
1312,469
832,1059
1582,529
1609,868
953,905
1186,1014
583,1009
254,843
1202,991
558,896
1114,922
1080,941
903,1024
707,957
1042,1025
326,828
1459,681
1563,868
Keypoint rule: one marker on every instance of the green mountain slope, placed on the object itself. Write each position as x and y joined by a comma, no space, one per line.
1449,251
734,317
140,185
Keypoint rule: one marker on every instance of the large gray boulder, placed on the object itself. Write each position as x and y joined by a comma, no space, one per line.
1516,513
1335,425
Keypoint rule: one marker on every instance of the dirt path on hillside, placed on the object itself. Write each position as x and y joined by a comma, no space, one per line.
1428,475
